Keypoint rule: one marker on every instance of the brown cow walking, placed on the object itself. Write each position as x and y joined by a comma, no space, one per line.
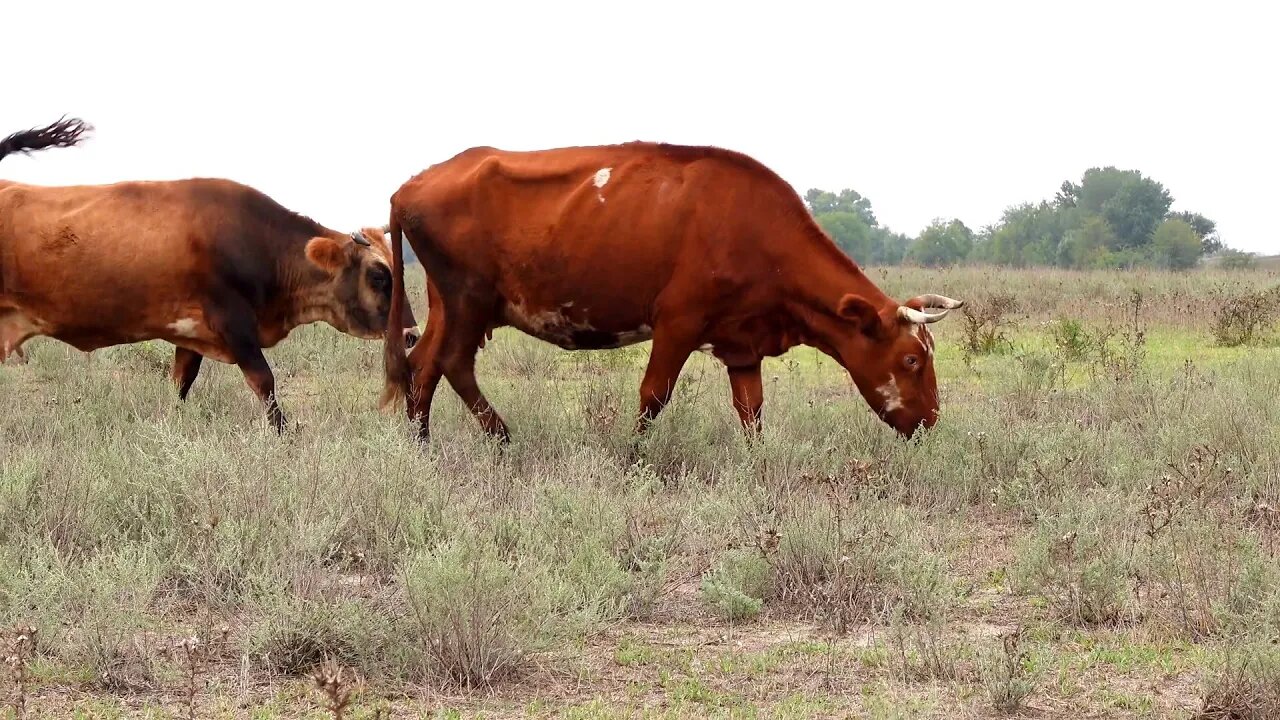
601,247
216,268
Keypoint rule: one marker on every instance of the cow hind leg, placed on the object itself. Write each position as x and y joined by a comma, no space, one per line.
463,334
425,371
186,366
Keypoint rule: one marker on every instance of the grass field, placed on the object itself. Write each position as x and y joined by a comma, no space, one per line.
1090,531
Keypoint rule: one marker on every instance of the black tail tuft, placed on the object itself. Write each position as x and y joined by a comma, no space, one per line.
66,132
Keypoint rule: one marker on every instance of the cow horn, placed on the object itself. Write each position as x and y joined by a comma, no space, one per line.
358,238
929,300
915,316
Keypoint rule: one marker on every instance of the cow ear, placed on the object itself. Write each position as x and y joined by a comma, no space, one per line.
856,309
327,255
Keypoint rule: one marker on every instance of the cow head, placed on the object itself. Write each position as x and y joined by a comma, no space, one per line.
359,286
889,355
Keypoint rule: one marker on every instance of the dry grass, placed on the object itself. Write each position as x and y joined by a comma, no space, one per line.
1117,503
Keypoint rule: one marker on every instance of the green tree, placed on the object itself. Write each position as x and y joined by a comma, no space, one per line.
821,202
850,233
1086,246
1097,187
1175,245
1028,234
890,248
1135,210
1206,230
942,243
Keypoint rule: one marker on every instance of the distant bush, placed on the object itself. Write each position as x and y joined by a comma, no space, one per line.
984,321
1072,339
1231,259
1243,319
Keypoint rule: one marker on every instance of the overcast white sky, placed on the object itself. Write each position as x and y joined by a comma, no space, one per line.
931,109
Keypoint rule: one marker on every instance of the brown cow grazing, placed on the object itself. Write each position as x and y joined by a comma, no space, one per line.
601,247
214,267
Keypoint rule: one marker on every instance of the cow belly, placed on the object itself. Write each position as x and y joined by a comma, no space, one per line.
573,329
88,331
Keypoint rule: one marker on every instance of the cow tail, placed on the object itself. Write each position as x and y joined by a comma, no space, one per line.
395,363
66,132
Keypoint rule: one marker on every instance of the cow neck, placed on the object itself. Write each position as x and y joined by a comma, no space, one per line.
819,281
307,297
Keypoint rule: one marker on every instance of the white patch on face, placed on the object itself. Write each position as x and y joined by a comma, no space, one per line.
183,327
925,337
707,348
601,179
892,396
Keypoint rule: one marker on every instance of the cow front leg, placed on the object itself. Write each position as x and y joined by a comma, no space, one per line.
748,396
238,328
186,366
425,373
672,346
263,382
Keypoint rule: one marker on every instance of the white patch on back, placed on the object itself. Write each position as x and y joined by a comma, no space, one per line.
183,327
892,396
601,179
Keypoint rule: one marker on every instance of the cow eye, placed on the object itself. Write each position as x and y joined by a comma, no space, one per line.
379,279
912,361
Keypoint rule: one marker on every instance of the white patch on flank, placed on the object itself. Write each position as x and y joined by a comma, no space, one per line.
184,327
639,335
892,396
602,179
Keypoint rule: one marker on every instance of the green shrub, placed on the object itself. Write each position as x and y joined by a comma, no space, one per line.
294,637
736,587
1077,559
476,617
1245,685
1007,674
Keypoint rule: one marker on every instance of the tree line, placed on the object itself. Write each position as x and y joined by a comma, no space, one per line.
1111,218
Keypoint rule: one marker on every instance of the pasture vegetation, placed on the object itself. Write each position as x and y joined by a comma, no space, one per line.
1091,530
